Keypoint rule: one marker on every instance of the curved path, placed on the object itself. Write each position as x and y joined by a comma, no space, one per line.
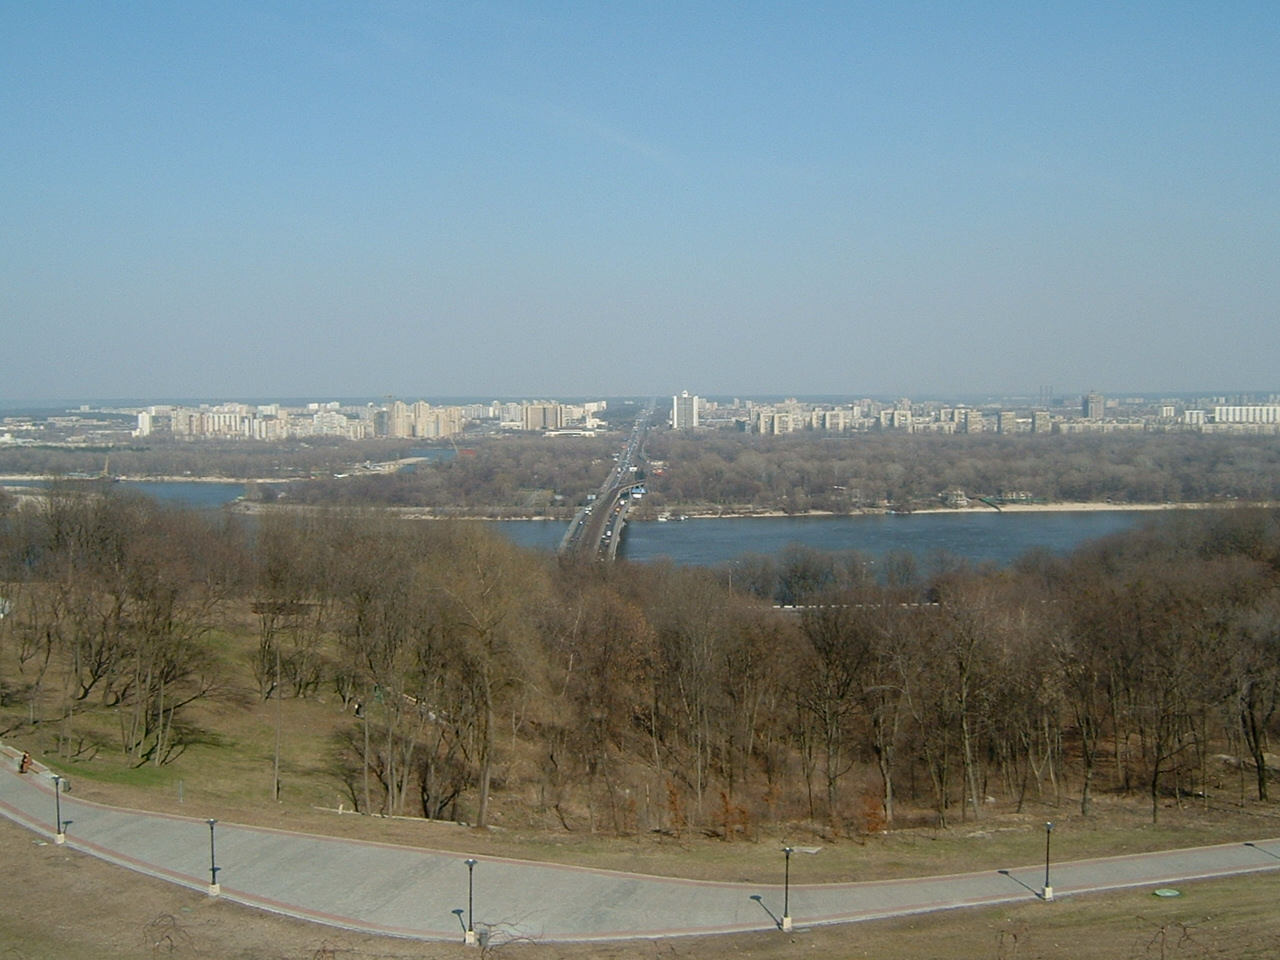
408,892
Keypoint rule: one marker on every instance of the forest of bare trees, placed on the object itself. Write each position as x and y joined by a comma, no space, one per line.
630,698
532,475
807,471
795,473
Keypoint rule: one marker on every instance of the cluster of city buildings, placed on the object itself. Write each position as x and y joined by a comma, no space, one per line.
393,419
396,419
275,421
1094,413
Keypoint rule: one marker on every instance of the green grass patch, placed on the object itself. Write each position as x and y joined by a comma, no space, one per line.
145,777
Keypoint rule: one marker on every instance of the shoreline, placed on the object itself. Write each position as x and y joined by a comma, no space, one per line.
1055,507
18,485
419,513
18,479
1086,507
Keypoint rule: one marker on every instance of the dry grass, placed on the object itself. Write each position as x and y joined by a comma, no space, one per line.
230,777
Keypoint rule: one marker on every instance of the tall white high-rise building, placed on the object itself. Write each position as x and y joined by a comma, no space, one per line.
684,411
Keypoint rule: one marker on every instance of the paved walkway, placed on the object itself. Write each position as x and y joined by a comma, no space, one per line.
379,888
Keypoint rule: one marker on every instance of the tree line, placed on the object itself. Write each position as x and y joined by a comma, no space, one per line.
727,471
208,457
628,698
807,471
532,475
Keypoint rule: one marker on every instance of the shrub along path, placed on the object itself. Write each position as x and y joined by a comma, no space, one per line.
423,894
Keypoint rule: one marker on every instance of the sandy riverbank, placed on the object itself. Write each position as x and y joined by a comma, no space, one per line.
21,486
1057,507
1065,507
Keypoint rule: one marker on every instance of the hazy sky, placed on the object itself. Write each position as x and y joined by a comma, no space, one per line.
232,199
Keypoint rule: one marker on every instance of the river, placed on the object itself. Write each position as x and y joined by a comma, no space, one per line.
979,536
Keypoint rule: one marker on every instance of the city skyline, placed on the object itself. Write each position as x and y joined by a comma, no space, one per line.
279,199
393,417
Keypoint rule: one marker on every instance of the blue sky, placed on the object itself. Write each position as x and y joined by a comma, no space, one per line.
233,199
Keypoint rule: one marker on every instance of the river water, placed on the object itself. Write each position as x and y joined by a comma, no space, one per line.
979,536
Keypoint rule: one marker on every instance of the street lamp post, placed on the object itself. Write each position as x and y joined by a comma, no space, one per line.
1048,835
59,836
786,890
214,888
470,938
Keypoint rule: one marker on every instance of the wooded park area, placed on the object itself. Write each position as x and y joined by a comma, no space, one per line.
628,699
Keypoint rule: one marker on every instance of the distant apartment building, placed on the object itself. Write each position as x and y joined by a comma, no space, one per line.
330,423
789,417
926,425
420,420
228,421
439,422
1252,413
397,421
833,421
1102,426
684,412
1093,407
896,418
776,422
510,412
434,423
543,416
1006,423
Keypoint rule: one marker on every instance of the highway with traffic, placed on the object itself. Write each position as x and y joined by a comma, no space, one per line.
596,529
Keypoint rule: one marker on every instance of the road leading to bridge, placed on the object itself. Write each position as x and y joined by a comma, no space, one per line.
597,528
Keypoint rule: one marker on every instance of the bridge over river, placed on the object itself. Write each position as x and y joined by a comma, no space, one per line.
596,529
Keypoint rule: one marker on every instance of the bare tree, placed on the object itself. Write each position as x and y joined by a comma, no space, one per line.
488,595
